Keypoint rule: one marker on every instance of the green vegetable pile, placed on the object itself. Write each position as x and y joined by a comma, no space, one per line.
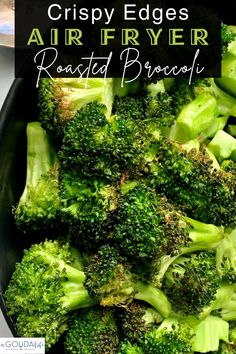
130,194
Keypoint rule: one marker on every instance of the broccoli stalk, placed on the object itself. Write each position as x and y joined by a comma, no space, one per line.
128,348
223,146
188,180
202,107
45,286
226,258
194,118
39,205
208,334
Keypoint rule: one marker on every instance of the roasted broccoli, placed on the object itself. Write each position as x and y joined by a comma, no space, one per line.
61,98
136,320
39,206
170,337
92,331
189,180
148,227
88,208
45,286
110,280
127,348
227,81
191,282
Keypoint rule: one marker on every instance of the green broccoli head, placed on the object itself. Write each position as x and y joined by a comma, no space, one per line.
227,36
88,207
85,145
225,258
192,281
127,348
188,180
109,280
61,98
136,320
98,147
39,206
148,226
92,331
170,337
227,80
131,106
156,108
46,285
159,109
228,166
181,93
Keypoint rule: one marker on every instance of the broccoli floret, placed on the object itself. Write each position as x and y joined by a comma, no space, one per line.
192,281
61,98
100,148
148,226
230,346
136,320
85,144
44,287
228,166
39,206
226,258
109,279
227,80
208,333
151,105
88,207
182,94
92,331
170,337
160,110
188,180
127,348
227,36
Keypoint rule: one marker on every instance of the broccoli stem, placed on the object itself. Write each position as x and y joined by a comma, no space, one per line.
76,296
203,237
207,234
41,157
195,117
155,297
